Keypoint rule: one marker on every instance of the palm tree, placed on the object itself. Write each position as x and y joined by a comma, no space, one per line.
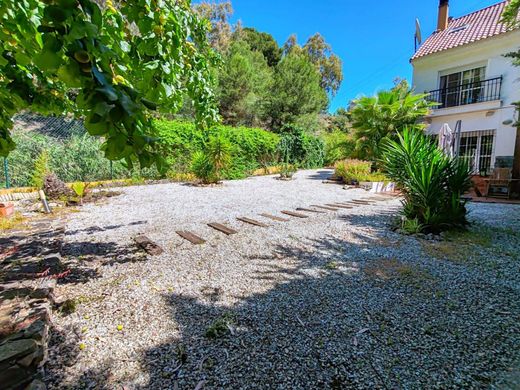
380,117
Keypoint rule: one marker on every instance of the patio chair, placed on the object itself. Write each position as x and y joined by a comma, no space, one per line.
501,180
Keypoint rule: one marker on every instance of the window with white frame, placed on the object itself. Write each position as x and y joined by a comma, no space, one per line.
477,148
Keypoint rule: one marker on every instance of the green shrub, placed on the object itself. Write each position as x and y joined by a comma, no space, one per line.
297,147
432,183
338,146
351,170
41,169
251,148
202,168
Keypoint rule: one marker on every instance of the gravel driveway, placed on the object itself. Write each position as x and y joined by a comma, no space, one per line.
334,301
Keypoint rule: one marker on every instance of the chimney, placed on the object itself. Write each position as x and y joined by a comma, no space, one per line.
444,14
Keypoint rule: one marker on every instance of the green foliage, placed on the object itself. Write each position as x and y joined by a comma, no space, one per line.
79,188
220,327
287,170
252,148
121,63
296,91
412,226
297,147
264,43
357,171
243,87
379,118
338,146
41,169
73,159
432,183
203,169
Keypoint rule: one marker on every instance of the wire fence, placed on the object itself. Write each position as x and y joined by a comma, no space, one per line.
73,155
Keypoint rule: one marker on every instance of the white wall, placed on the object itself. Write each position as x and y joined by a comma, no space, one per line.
489,52
482,116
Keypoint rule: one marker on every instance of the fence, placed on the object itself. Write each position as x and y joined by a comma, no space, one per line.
73,155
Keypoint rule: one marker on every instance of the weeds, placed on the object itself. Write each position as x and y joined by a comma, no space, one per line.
221,327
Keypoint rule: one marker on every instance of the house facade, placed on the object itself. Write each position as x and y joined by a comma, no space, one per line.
463,68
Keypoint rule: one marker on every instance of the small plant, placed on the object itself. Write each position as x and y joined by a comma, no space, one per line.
221,327
353,171
41,169
411,226
332,265
14,221
287,171
209,165
80,189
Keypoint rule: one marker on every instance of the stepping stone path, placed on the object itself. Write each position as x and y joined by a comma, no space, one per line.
275,218
310,210
341,206
252,222
325,207
293,214
148,245
222,228
191,237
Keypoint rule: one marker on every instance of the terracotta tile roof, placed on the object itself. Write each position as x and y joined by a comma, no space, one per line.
466,29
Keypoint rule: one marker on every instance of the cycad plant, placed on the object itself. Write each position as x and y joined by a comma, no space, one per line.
432,182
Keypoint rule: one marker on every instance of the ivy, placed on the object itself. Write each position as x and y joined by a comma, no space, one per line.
112,66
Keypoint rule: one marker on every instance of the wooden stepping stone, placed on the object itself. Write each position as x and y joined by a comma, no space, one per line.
293,214
148,245
222,228
363,202
349,204
275,218
252,222
325,207
341,206
310,210
194,239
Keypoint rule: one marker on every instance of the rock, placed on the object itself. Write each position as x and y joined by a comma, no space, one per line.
16,348
14,377
36,385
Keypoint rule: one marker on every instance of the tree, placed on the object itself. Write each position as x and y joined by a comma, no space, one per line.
329,64
380,117
112,66
218,14
296,91
264,43
244,83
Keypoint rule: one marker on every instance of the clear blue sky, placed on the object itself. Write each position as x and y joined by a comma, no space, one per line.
374,38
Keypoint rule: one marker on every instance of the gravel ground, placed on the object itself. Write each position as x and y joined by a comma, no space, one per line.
335,301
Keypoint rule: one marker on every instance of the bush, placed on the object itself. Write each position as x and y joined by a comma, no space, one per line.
209,165
298,148
251,148
356,171
432,183
338,146
41,169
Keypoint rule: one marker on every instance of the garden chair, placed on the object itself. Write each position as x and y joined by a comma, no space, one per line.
501,180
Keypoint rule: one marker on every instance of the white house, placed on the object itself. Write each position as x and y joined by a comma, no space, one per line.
463,67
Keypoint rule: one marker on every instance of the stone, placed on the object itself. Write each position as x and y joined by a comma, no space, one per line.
14,377
16,348
36,385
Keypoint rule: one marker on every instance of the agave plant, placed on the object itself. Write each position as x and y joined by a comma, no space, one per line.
432,182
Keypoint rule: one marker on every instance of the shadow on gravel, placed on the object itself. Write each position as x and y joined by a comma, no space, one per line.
329,323
321,175
332,325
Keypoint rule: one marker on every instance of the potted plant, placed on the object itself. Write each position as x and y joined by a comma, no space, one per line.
6,210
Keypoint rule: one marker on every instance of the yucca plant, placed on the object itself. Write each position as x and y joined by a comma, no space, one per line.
209,164
432,182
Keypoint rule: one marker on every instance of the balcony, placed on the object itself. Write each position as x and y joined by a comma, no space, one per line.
464,94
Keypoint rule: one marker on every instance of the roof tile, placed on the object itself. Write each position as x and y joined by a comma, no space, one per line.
466,29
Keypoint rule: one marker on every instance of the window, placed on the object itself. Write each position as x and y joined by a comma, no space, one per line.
476,147
462,87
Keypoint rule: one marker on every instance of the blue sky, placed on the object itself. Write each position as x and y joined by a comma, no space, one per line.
374,38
